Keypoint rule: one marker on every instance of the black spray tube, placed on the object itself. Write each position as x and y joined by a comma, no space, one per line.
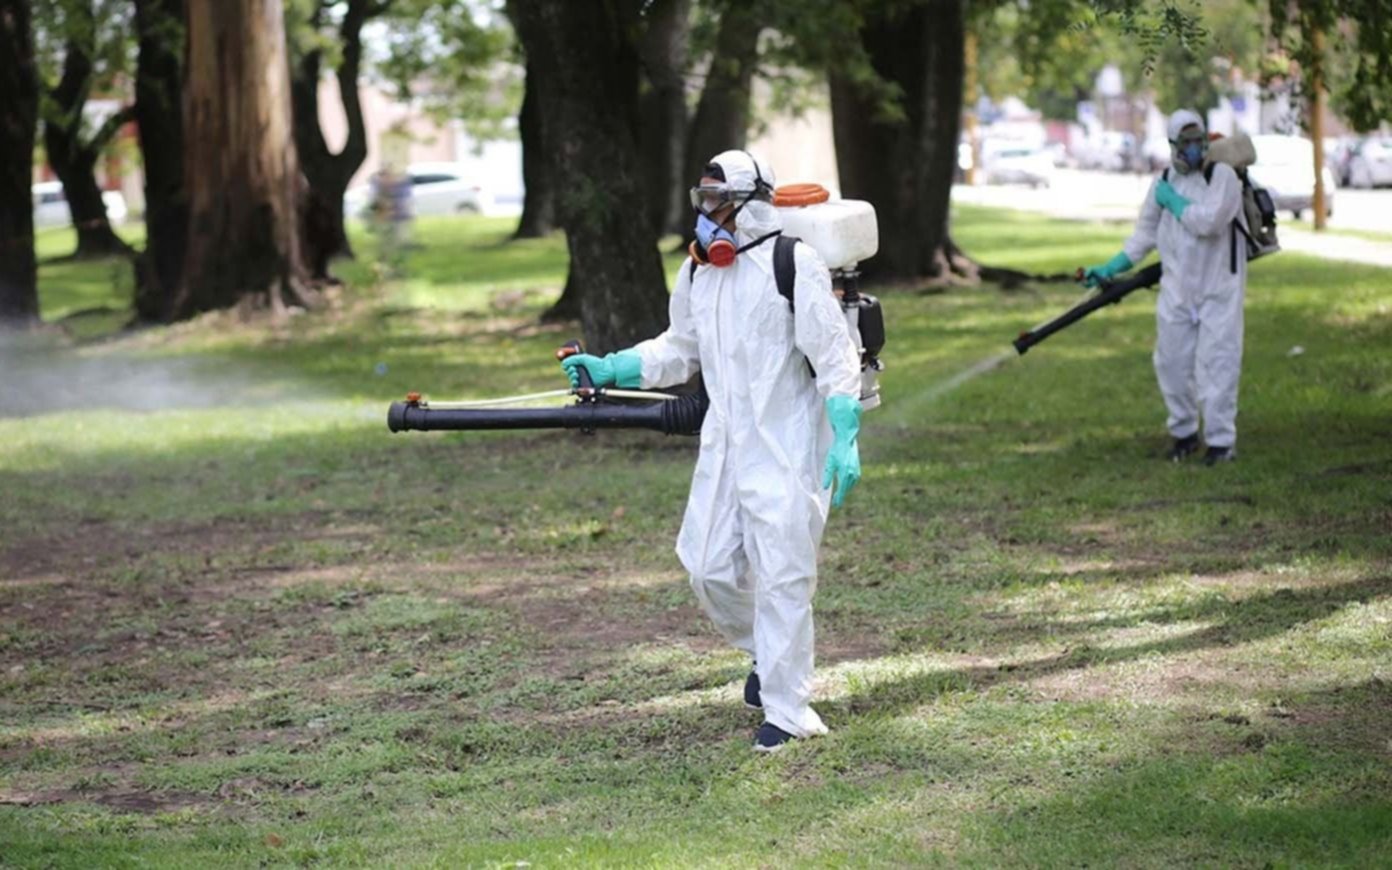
680,416
1109,293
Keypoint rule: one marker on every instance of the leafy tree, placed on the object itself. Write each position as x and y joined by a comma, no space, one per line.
1346,44
83,48
159,115
896,89
241,171
323,32
19,108
586,55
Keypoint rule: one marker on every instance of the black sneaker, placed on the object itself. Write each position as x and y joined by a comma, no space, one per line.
1182,447
751,691
771,738
1216,455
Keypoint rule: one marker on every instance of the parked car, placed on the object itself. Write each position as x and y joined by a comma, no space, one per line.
1032,166
1286,168
436,189
1370,163
51,205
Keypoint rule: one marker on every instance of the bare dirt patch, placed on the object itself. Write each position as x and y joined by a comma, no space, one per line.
143,802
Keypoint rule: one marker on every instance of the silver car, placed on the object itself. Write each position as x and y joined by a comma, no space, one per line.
1286,168
1370,164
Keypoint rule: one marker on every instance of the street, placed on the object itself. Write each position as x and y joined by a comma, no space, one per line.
1090,195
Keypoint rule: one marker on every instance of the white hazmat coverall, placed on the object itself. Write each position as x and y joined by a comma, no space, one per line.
1198,317
756,511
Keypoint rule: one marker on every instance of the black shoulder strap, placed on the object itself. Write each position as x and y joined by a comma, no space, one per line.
694,264
1165,176
785,266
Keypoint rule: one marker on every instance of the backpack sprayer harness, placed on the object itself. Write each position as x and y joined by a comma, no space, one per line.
864,318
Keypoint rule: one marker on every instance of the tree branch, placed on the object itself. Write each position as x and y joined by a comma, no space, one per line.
110,127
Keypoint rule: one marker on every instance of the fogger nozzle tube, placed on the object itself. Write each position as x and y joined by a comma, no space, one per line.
680,417
1110,294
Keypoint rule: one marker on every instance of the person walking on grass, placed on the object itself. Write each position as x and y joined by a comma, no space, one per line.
775,438
1190,215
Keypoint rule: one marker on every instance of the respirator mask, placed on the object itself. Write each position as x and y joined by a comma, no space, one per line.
715,245
1187,153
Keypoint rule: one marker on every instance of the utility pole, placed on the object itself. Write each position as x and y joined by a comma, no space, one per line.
969,127
1317,121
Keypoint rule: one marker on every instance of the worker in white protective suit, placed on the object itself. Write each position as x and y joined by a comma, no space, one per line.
1188,215
774,438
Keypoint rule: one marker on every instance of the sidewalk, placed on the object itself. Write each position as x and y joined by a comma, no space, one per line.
1118,198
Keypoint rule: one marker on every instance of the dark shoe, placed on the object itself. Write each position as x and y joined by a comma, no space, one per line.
1216,455
771,738
1182,447
751,691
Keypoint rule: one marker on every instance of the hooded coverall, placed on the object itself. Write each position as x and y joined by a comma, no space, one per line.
757,509
1198,316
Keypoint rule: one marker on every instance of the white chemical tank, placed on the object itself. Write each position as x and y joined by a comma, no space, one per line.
843,231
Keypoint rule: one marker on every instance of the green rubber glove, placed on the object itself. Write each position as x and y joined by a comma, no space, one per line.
843,460
1108,270
622,369
1169,198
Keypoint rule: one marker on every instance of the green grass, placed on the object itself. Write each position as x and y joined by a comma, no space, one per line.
1371,235
240,623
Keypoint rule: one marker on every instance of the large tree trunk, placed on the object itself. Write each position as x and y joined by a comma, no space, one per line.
905,167
329,174
539,200
240,167
588,63
721,121
662,106
159,117
75,161
19,108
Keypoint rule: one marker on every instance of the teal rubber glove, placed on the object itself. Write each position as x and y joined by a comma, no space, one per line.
1169,199
843,460
1108,270
622,369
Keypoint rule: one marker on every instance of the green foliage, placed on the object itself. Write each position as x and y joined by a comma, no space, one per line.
102,29
456,57
1356,60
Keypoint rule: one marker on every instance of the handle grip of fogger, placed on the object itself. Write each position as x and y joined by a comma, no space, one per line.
571,348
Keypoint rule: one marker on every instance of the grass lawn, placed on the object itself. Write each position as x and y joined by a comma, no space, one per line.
241,623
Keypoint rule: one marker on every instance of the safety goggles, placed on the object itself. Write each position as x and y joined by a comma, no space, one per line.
710,197
1197,138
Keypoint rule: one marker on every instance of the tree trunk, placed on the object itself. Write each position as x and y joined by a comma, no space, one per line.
721,121
19,108
240,169
75,161
662,106
588,63
568,306
329,174
159,117
905,167
539,200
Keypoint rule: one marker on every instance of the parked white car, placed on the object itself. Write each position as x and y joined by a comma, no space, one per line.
1370,164
436,189
51,205
1286,168
1032,166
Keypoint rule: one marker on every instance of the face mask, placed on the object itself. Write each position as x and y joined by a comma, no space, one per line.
1189,156
717,242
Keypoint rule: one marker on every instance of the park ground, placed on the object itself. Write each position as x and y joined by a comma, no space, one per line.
241,623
